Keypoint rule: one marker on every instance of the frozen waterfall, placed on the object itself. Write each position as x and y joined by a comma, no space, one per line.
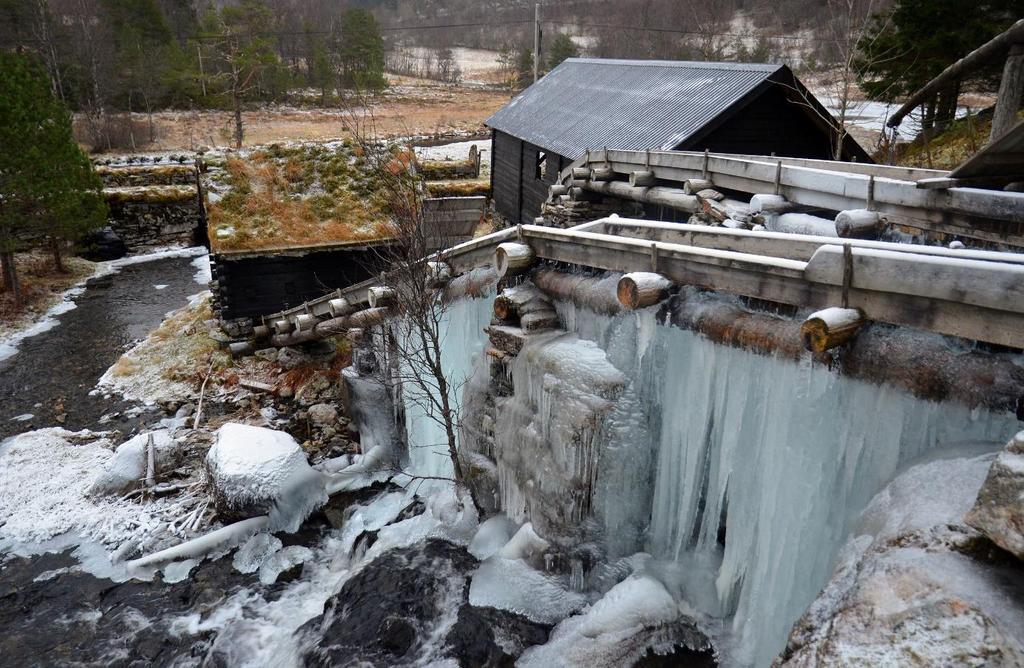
742,474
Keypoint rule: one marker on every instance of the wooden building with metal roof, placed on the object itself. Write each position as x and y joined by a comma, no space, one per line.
591,104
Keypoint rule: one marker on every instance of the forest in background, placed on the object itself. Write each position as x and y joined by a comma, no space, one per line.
115,62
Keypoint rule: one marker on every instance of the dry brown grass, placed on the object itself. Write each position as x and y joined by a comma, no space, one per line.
125,366
41,286
281,197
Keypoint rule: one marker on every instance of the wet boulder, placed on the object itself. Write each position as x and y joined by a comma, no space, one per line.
999,510
253,468
103,244
392,609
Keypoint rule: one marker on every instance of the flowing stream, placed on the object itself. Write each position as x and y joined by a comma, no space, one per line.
52,373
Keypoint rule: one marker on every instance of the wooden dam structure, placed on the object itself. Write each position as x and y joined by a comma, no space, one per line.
828,290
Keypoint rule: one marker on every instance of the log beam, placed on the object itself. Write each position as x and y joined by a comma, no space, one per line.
830,328
641,289
511,258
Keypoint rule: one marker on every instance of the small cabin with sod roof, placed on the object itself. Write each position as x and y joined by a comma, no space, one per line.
591,104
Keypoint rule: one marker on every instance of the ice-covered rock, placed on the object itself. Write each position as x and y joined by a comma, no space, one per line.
323,414
513,585
253,469
491,536
283,560
127,467
635,617
999,510
255,552
914,588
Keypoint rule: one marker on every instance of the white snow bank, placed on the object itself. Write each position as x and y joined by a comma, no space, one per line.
255,469
45,476
9,344
128,465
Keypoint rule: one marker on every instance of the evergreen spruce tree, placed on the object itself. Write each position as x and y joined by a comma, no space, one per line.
48,189
562,47
909,45
361,51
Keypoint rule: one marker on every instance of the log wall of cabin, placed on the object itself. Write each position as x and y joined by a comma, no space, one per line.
254,285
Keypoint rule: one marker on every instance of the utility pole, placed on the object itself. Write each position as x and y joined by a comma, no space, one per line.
536,42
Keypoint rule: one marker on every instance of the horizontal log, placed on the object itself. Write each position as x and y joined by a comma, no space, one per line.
513,258
327,328
558,190
921,363
830,328
769,204
338,307
800,223
581,173
642,289
670,197
304,322
380,295
260,332
282,326
693,186
602,174
643,179
859,224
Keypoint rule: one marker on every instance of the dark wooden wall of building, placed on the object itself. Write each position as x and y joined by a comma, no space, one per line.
769,124
518,193
251,286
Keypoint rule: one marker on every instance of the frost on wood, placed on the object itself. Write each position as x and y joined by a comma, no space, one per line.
255,470
999,510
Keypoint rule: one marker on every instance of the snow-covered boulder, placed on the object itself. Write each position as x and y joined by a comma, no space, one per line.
254,468
126,468
999,510
913,588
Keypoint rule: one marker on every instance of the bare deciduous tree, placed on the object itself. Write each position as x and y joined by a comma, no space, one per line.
411,345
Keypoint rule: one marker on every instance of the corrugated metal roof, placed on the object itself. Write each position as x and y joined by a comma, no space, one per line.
588,103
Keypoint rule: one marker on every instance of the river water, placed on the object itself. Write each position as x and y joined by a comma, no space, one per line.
52,373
